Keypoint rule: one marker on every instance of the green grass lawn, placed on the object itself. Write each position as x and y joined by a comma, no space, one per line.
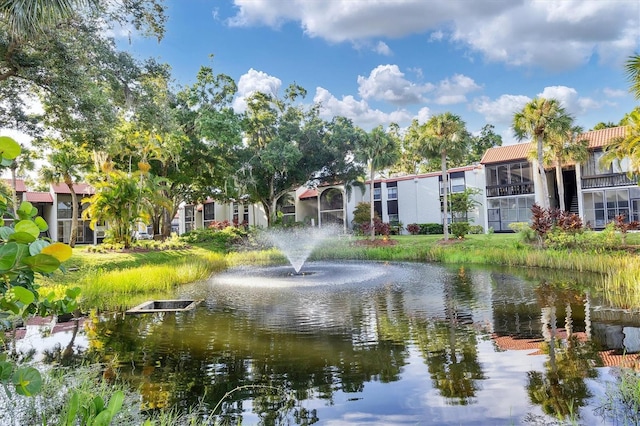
120,280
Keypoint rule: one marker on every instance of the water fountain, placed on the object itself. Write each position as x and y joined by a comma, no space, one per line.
297,244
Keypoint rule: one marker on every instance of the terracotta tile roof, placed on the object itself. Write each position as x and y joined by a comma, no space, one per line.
506,153
80,188
20,186
599,138
39,197
309,193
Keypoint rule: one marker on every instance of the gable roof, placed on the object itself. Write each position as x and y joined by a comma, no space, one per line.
39,197
79,188
508,153
20,186
599,138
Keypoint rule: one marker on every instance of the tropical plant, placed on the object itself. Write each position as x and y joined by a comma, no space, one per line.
562,148
444,136
23,254
464,202
541,119
379,150
67,164
626,148
121,200
632,68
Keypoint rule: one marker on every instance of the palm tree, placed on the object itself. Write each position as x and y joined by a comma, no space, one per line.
67,163
28,18
632,68
379,150
563,148
540,119
627,147
444,136
19,165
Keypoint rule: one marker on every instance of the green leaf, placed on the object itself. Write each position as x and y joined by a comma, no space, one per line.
8,254
37,246
72,293
72,410
27,380
26,208
6,368
5,232
9,148
20,294
28,226
22,237
42,263
41,223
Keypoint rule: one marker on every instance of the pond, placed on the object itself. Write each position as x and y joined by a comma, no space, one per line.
374,343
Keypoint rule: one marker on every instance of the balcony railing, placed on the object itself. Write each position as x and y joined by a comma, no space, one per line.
607,181
511,189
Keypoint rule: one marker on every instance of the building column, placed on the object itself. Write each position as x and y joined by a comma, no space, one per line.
318,206
579,189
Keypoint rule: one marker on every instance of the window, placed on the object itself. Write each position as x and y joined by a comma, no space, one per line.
505,210
457,184
64,210
189,218
245,215
235,216
377,194
392,193
209,211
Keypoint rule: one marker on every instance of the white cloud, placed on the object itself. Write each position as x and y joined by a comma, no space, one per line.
254,81
423,115
499,112
454,90
387,83
571,101
614,93
358,111
552,34
383,49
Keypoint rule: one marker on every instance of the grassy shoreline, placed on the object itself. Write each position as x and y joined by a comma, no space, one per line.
116,281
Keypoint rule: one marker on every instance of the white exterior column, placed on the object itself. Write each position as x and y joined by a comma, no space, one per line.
579,190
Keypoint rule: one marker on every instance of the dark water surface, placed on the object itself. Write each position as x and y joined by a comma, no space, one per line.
375,343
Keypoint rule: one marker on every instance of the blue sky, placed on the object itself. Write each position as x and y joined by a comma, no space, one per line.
382,61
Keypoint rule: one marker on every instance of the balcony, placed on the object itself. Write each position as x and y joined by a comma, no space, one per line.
511,189
608,181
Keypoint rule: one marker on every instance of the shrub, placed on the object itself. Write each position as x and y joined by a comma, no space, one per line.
413,228
431,228
381,228
476,229
460,229
527,234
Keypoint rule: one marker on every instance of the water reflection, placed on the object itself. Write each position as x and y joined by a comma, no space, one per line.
418,344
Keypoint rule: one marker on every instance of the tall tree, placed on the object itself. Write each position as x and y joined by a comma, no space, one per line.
563,148
627,147
444,136
480,143
540,119
67,163
632,68
379,150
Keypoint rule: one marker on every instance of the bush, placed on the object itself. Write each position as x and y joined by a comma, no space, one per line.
413,228
381,228
527,234
431,228
460,229
476,229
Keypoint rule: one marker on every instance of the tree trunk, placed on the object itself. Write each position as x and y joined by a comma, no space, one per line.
14,196
372,230
74,216
543,175
560,182
445,190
